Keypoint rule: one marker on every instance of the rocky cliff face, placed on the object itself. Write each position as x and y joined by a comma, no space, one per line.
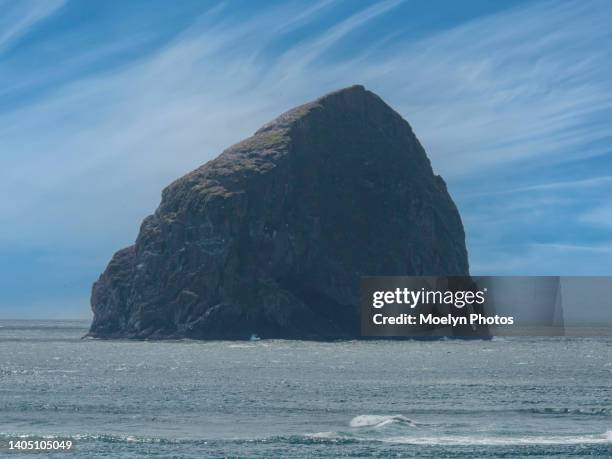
272,236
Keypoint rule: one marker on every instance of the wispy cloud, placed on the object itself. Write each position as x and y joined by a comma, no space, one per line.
301,56
600,216
574,247
550,186
19,17
528,83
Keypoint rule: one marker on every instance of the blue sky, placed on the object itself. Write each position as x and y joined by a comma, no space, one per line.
104,103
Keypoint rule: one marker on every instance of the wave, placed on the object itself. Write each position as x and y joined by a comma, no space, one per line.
585,411
452,440
467,440
346,438
593,411
375,420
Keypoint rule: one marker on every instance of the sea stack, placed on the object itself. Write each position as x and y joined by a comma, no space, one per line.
272,237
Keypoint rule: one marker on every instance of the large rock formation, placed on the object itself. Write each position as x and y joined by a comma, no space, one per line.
272,236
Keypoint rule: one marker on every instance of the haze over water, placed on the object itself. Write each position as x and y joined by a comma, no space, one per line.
506,397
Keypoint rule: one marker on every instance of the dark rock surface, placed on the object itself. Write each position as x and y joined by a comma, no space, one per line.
271,237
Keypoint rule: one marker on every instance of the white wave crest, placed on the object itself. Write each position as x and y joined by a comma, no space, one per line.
451,440
376,420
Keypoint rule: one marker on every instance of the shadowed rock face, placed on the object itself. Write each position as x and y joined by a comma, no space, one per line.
272,236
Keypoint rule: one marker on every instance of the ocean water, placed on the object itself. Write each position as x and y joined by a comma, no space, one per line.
511,397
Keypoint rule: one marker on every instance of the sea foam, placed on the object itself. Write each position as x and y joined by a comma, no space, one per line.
375,420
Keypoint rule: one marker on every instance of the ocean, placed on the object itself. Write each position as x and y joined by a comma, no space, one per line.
508,397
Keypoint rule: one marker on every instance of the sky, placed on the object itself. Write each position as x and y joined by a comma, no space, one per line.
102,104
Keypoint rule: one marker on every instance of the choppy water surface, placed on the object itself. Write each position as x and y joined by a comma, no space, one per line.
503,398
